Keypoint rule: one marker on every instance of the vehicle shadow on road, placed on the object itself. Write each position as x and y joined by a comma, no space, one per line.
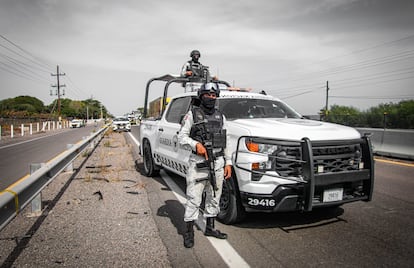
289,221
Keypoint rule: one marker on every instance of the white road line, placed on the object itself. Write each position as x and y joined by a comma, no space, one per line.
22,142
134,139
223,247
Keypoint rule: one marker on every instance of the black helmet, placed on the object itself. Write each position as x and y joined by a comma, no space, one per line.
208,88
195,52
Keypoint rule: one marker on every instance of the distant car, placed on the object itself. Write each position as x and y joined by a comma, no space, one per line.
132,119
121,124
75,123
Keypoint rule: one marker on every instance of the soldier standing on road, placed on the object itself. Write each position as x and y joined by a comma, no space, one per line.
205,126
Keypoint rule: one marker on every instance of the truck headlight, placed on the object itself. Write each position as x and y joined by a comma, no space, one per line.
261,167
284,159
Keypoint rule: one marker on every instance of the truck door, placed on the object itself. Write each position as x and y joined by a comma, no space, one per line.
173,156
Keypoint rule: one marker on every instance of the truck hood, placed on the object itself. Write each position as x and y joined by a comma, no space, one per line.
291,129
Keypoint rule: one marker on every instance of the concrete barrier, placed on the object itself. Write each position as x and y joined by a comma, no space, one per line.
392,142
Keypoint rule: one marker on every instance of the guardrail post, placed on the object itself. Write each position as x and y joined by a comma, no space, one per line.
37,201
22,130
11,131
69,167
31,129
91,144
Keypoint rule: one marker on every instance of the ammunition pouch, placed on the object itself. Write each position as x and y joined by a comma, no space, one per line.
219,139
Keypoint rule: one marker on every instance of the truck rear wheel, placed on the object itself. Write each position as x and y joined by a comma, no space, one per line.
150,168
231,208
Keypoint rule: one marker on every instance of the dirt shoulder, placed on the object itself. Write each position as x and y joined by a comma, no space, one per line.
96,216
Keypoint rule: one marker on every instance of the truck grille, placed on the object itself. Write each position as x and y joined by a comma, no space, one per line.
336,158
326,158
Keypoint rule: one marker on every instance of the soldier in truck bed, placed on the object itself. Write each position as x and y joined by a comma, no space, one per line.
203,129
194,68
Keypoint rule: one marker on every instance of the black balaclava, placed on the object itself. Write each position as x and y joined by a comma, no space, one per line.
195,55
208,104
195,58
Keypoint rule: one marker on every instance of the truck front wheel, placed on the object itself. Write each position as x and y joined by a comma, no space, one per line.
231,208
150,169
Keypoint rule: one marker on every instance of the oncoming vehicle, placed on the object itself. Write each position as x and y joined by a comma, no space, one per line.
121,123
75,123
281,161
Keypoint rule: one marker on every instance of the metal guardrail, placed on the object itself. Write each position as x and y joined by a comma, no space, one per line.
15,198
397,143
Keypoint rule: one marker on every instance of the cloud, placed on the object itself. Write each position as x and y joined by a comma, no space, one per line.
111,48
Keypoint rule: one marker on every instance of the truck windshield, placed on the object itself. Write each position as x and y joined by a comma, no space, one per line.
241,108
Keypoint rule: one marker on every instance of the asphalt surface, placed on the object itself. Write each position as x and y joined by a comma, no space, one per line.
96,216
138,223
16,154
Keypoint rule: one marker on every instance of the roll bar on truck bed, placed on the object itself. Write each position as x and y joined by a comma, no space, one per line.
174,79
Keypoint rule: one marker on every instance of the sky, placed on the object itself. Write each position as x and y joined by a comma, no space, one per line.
362,49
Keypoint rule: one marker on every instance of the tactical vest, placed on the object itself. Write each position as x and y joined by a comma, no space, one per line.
208,129
196,68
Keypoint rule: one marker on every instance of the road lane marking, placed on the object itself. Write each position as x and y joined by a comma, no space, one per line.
394,162
22,142
223,247
17,182
134,139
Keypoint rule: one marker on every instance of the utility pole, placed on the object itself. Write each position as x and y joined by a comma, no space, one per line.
327,96
58,87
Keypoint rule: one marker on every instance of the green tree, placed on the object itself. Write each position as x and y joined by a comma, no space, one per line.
404,117
344,115
22,103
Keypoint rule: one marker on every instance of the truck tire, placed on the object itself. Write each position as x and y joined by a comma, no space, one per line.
231,208
150,168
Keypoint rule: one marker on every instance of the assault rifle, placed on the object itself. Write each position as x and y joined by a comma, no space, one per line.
207,142
199,72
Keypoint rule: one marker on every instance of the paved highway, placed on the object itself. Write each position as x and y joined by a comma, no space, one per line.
377,233
17,155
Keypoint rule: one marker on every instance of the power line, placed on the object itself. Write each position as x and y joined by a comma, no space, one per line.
17,64
24,73
376,97
397,57
21,75
27,52
379,82
18,54
76,89
384,44
21,63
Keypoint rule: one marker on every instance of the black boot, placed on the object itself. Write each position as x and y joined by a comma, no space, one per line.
210,231
189,235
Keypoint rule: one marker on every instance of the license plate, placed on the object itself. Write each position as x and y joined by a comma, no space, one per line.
332,195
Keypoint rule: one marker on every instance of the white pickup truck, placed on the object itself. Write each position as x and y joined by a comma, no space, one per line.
281,161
